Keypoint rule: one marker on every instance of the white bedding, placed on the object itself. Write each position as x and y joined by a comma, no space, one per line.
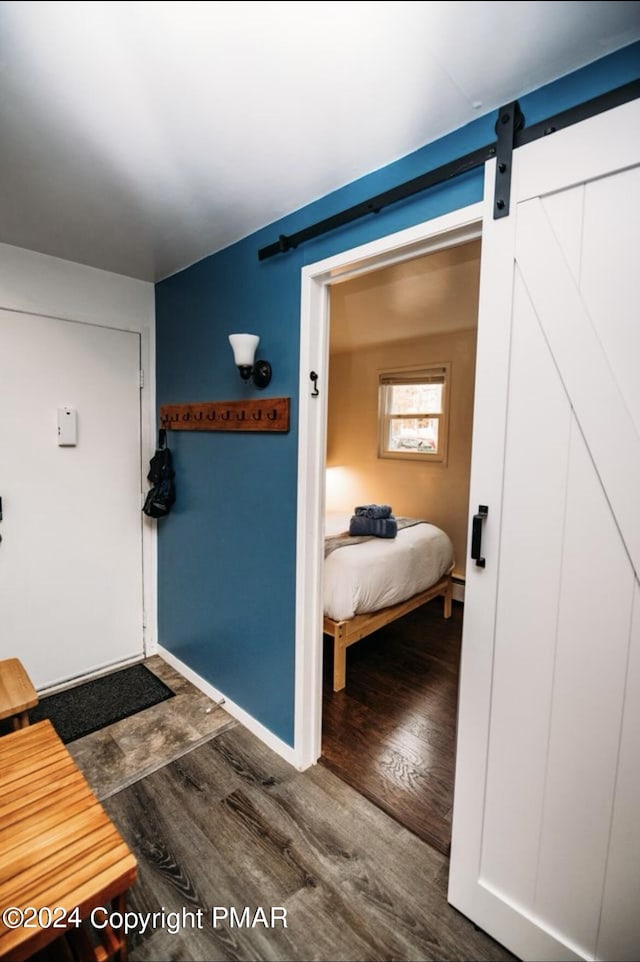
365,577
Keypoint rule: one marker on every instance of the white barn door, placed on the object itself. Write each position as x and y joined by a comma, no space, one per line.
546,828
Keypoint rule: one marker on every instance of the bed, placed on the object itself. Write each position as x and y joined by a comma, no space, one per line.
370,583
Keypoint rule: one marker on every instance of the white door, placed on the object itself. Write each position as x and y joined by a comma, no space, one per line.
546,828
71,549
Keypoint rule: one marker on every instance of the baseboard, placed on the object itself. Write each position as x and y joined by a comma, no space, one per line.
252,724
458,584
89,676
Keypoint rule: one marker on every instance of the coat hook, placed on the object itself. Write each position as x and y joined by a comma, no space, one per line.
314,377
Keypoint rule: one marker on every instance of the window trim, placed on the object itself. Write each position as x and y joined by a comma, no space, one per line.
416,374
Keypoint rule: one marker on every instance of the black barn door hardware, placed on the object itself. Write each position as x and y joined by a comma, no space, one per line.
510,120
373,206
520,135
314,377
476,535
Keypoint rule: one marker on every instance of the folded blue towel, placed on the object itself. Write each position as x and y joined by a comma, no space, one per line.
377,527
373,511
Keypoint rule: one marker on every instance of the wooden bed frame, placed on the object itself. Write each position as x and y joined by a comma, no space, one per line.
345,633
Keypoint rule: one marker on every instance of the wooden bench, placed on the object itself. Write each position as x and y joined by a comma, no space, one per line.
17,694
59,851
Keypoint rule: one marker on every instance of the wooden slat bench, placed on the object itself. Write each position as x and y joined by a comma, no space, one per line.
58,847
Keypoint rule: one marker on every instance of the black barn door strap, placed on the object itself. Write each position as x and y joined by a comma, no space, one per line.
510,120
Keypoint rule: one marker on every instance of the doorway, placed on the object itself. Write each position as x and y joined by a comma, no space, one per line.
449,231
390,733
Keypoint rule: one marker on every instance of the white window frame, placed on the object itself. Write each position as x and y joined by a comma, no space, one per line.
418,375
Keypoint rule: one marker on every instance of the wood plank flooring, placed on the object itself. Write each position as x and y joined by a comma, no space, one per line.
231,825
390,733
114,757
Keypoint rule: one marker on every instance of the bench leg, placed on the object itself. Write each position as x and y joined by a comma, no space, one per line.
122,953
20,721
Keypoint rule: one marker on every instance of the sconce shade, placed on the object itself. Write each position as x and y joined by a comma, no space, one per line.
244,347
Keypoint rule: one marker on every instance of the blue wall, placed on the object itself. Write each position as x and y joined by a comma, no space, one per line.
227,553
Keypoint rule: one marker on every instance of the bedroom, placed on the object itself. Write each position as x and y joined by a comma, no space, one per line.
416,315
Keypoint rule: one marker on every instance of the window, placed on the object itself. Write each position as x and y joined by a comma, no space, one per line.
413,413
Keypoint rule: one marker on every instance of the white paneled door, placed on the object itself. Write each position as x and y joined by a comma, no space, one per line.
71,549
546,828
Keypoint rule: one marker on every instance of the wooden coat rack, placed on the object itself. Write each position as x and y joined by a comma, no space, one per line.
255,414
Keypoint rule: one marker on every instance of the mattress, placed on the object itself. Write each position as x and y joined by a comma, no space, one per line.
366,577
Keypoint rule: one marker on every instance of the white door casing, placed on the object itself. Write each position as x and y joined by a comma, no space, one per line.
449,230
71,554
546,844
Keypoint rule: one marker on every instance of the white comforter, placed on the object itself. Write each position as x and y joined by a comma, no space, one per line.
375,574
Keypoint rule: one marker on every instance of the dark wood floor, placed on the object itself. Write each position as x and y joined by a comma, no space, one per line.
391,732
230,824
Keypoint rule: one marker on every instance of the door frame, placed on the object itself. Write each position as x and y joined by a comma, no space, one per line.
449,230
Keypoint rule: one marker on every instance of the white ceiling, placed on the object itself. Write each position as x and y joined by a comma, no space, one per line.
433,294
141,136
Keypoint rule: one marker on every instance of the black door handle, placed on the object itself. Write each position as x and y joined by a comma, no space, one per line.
476,535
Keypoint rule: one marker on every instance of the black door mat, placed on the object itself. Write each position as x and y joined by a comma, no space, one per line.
95,704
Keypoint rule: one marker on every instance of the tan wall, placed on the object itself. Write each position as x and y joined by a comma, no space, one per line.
436,492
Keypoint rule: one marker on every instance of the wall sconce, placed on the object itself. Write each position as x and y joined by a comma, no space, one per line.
244,348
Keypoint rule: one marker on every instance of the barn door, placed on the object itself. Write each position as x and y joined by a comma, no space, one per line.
546,828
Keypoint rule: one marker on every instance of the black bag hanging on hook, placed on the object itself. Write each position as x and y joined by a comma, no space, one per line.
161,474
